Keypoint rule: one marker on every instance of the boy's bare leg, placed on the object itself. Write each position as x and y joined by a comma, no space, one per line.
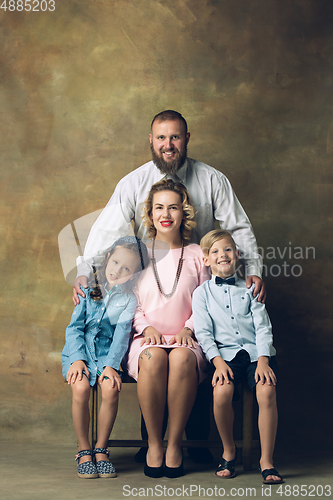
182,390
152,386
107,415
267,424
224,418
81,416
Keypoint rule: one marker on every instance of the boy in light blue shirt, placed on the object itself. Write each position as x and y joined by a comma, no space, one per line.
235,333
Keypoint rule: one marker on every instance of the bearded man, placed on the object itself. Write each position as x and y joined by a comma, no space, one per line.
210,191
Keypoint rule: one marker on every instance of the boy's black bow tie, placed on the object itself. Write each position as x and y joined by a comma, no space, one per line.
227,281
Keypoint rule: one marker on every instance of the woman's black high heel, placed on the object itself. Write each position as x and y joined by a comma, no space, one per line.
173,472
154,472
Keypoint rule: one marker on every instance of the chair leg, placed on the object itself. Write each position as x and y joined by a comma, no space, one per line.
94,415
247,428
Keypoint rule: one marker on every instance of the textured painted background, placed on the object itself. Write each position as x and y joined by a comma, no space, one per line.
78,89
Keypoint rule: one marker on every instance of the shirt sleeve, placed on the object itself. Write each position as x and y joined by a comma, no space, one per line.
231,216
203,275
203,324
75,332
121,335
113,223
140,321
263,328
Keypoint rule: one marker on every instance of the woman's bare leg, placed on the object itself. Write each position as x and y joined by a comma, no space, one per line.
81,415
152,387
182,390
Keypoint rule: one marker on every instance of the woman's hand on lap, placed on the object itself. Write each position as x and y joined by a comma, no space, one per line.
184,337
152,337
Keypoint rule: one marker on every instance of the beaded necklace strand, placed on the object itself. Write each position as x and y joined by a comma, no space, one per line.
157,278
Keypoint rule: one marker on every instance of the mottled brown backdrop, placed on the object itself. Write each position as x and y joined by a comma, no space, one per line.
78,89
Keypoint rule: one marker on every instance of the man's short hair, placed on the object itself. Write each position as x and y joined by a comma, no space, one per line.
169,114
212,237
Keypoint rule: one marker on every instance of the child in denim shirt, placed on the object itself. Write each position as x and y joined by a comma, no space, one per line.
96,342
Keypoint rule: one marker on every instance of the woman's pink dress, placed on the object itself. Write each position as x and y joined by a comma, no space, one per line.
168,316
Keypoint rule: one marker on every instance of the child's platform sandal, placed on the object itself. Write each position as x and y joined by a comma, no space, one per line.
104,467
227,465
86,470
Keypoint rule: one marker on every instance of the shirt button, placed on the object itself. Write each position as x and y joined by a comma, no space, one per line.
227,307
98,321
225,291
232,317
236,333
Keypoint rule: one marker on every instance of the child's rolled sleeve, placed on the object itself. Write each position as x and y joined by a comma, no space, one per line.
75,340
203,324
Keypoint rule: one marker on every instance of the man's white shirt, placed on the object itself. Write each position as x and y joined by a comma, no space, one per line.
211,195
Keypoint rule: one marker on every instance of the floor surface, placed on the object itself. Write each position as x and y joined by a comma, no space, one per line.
48,472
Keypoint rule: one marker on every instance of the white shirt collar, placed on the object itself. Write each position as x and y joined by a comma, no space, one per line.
179,176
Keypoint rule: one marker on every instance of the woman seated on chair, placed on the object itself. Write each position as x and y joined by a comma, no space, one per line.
164,356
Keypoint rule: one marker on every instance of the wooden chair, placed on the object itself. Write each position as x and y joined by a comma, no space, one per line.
247,444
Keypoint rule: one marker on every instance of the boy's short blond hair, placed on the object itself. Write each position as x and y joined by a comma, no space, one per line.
210,238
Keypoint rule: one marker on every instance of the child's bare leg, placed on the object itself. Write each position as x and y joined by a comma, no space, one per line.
107,415
151,386
81,416
267,424
224,418
182,390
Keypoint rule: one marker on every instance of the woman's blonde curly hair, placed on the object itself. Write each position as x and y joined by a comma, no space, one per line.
188,222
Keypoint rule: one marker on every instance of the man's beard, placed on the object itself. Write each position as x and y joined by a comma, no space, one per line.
169,167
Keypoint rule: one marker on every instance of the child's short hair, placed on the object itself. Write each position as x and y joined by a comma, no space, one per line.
131,243
212,237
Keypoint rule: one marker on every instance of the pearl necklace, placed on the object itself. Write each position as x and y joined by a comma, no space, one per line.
157,278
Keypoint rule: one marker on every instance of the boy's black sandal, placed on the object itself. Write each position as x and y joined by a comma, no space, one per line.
104,467
86,470
227,465
270,472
